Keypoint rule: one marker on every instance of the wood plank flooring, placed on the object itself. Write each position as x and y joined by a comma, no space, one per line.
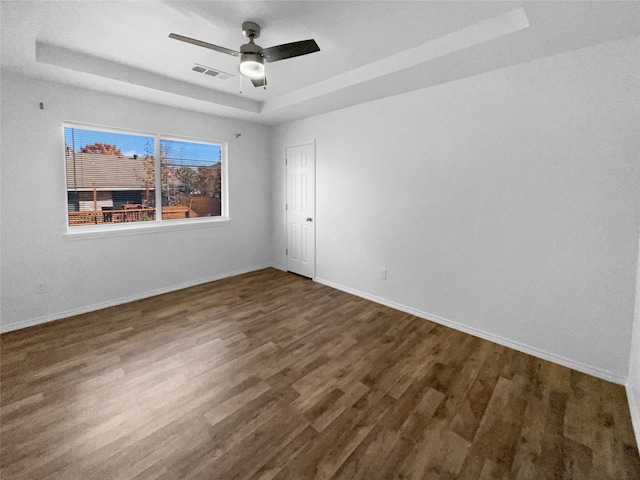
271,376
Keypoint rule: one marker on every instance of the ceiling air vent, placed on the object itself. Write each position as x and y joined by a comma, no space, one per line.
212,72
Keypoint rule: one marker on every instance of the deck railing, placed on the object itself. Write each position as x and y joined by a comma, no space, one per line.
130,213
97,217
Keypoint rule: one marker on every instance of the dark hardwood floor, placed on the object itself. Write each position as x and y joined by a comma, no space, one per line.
271,376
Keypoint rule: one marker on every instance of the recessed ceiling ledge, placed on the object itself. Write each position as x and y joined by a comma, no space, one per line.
492,28
59,56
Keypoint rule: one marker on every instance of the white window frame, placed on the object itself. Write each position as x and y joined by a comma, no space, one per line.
117,229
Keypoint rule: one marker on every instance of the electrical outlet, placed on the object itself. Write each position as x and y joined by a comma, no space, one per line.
383,274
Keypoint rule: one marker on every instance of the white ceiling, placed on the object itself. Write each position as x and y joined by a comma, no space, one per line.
369,49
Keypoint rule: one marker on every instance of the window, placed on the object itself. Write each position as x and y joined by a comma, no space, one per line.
115,177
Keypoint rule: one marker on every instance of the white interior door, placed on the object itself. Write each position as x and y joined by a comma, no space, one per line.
301,236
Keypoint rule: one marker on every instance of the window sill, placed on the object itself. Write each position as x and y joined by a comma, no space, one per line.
139,228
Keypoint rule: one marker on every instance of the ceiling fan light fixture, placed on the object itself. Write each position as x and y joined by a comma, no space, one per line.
252,65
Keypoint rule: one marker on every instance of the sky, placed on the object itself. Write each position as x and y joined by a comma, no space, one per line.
179,152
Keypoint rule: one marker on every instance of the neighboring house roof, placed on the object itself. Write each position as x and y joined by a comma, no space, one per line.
108,172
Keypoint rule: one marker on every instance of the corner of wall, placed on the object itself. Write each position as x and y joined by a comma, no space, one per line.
633,380
633,396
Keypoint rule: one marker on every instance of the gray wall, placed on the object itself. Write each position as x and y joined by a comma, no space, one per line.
47,274
504,204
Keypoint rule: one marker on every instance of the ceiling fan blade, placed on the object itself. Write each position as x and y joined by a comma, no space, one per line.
259,82
289,50
200,43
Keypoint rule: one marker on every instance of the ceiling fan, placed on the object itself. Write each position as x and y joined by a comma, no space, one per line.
252,56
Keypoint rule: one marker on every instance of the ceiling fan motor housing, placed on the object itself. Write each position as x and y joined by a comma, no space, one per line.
250,48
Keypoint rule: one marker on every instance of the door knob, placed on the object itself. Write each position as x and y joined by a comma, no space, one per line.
309,219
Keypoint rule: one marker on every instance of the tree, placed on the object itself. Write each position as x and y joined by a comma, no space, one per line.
188,179
178,180
103,148
169,175
203,177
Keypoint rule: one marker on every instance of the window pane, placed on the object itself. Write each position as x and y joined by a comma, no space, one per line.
110,177
191,179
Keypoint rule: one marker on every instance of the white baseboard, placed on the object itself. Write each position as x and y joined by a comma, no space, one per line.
581,367
119,301
566,362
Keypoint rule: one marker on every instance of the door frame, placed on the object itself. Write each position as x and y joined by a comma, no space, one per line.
311,142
